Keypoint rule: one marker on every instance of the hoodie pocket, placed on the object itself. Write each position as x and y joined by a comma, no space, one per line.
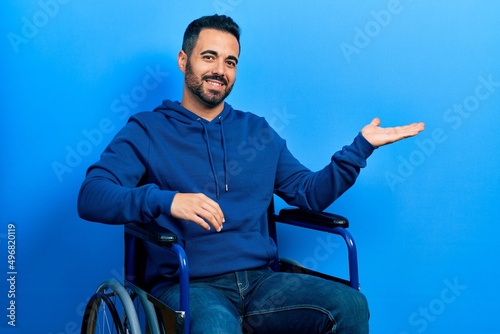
223,252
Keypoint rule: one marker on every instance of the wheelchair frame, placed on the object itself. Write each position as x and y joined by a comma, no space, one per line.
177,321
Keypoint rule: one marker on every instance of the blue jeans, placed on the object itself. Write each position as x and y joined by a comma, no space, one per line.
262,301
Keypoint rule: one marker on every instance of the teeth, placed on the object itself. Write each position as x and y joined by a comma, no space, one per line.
215,84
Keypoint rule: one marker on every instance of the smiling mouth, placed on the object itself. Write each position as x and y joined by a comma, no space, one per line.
215,84
215,81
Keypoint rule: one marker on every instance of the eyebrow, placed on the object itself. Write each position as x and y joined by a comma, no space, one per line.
212,52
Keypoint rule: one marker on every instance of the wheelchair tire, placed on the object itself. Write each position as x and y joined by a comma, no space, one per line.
102,314
92,322
145,310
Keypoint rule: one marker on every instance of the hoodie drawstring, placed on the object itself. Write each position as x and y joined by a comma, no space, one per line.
210,157
225,153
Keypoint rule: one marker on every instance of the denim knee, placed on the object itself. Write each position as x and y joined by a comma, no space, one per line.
210,311
355,314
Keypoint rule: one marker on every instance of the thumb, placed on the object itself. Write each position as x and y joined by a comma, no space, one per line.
375,121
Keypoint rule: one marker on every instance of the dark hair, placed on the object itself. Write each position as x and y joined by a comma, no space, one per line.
218,22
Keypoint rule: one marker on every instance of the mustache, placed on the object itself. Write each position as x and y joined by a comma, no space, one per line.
216,77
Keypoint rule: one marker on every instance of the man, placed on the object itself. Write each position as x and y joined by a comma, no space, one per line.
208,173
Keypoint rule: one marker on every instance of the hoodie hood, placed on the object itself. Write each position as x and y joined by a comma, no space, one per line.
174,110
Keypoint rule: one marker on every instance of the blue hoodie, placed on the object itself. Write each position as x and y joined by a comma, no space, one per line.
236,159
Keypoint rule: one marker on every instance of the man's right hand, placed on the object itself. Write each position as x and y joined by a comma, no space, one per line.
199,209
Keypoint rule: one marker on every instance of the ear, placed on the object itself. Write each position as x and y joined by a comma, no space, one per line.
182,61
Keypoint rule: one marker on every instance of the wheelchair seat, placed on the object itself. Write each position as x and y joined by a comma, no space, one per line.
127,307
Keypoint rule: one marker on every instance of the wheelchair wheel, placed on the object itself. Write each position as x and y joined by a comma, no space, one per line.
110,310
101,315
145,310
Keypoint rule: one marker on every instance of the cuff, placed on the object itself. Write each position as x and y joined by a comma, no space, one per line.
160,202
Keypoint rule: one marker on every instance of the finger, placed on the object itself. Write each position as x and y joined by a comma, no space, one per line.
211,212
375,121
201,222
198,209
414,128
420,126
203,218
209,219
216,210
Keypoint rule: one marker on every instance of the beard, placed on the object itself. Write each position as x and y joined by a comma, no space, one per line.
210,97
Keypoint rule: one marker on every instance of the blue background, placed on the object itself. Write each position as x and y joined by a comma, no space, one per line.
423,212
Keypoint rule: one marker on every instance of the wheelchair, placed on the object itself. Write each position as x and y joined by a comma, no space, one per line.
128,308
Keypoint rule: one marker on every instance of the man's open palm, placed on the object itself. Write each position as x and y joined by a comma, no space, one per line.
378,136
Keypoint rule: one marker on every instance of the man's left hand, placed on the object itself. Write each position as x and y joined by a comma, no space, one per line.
378,136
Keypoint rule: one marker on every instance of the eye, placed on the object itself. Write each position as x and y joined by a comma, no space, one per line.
231,63
208,57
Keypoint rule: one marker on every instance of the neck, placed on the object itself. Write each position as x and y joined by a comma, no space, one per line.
201,109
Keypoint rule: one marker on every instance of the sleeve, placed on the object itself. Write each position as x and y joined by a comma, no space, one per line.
112,192
299,186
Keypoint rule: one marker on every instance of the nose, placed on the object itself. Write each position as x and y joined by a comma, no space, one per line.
219,67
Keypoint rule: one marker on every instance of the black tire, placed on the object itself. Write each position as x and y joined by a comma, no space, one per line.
100,310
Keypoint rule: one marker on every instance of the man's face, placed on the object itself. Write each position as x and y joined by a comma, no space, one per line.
210,71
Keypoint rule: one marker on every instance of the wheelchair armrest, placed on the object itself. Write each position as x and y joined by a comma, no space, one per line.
326,222
163,237
154,233
314,218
